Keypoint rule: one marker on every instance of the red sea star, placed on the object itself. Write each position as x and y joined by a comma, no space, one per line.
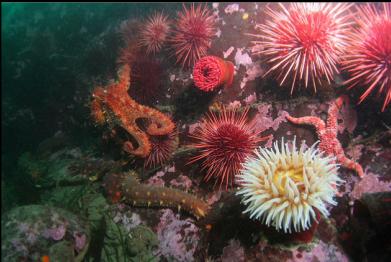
112,104
327,133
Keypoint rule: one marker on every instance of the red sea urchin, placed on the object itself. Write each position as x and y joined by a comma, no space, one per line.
147,75
192,35
305,41
147,80
154,32
211,72
369,57
225,141
162,149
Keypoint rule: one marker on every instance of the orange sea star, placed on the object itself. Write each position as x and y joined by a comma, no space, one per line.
113,104
327,133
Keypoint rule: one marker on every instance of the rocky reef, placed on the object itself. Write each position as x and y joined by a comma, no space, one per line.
95,192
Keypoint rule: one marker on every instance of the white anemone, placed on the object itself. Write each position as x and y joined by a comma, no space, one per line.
283,186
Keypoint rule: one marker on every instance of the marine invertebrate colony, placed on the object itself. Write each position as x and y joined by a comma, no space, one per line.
211,72
192,35
112,104
127,188
154,33
368,59
224,141
327,134
304,41
284,186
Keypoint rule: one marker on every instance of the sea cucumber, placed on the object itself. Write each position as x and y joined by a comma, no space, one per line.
126,187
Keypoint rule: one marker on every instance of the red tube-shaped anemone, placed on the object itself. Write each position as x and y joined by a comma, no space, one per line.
211,72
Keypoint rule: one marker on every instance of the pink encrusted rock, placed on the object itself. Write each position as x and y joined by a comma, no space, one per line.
251,99
242,58
127,220
232,8
182,182
56,233
234,105
347,117
263,118
369,184
170,169
156,179
355,152
228,52
253,71
213,197
234,252
178,239
266,121
80,241
322,252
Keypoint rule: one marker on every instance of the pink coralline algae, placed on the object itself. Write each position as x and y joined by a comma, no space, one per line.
347,119
127,220
323,252
251,99
369,184
178,239
56,233
233,252
327,133
156,179
183,182
213,197
264,120
80,241
234,105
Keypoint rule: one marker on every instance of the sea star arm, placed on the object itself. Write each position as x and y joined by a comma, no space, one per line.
161,124
308,120
350,164
328,135
97,111
113,104
143,145
332,119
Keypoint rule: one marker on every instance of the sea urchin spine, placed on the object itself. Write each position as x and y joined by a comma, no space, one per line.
224,141
369,57
304,41
192,34
154,33
162,149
